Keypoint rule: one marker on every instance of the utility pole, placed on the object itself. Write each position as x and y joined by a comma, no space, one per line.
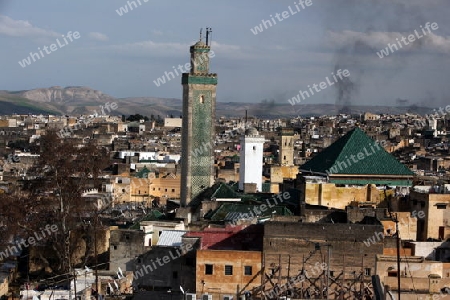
279,274
75,283
288,279
95,254
328,267
398,254
303,274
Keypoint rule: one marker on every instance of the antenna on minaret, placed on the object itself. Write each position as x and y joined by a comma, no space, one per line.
201,29
208,32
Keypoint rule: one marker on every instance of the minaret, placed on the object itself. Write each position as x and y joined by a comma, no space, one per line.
286,154
198,128
251,159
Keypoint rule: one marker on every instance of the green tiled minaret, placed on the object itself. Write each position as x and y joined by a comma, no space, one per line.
198,131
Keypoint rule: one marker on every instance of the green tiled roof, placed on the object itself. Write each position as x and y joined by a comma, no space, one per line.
373,159
265,187
225,209
143,173
225,191
154,215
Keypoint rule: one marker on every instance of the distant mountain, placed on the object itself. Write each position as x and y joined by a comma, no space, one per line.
75,100
67,95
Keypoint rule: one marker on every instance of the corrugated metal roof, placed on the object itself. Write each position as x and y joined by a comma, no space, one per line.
171,238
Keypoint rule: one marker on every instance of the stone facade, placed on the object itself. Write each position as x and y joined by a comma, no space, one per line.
125,246
286,155
227,272
435,224
290,247
198,129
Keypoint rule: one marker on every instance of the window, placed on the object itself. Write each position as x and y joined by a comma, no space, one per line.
254,147
127,236
202,99
165,190
367,272
208,269
248,270
228,270
115,247
173,190
332,273
441,206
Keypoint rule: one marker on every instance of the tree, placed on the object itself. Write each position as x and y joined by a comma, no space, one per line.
137,117
66,171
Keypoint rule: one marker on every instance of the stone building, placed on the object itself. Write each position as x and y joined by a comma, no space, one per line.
125,246
198,128
286,154
354,168
419,278
228,261
434,203
346,252
169,265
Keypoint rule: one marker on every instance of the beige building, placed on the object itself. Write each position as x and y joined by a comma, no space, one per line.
173,122
435,224
4,284
286,154
407,225
316,191
222,273
154,229
418,277
166,187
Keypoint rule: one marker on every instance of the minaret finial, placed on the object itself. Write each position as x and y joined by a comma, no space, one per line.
208,33
201,29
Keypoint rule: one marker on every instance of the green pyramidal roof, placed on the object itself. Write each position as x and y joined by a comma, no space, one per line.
356,154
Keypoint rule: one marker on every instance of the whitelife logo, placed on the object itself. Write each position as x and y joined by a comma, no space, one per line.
266,24
48,50
391,48
187,67
49,229
124,9
319,87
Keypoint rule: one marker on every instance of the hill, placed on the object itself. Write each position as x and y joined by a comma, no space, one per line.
76,100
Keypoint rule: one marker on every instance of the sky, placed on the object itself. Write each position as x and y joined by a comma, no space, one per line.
122,55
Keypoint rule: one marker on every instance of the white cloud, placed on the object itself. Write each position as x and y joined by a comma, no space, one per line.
380,40
21,28
168,49
152,48
225,47
157,32
97,36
